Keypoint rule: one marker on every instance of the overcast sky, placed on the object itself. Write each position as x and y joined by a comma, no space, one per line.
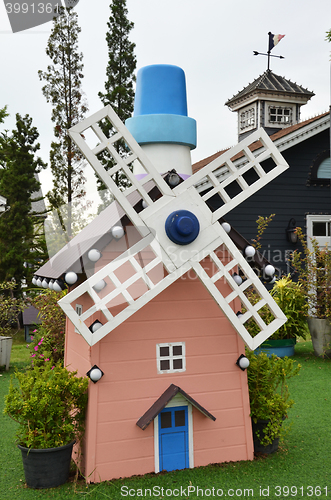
212,40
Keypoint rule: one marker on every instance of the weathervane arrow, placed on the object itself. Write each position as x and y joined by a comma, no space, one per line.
273,40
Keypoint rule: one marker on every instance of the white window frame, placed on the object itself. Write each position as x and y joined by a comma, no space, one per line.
171,357
247,119
281,123
322,240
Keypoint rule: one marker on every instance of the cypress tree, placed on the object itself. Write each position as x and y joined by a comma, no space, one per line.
119,91
18,181
63,90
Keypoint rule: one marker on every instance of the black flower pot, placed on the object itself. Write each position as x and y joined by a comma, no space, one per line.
46,468
258,434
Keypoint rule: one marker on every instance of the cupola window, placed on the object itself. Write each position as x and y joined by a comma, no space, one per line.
247,119
280,115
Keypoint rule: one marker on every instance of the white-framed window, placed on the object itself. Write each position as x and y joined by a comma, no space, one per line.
79,311
319,228
170,357
280,115
247,119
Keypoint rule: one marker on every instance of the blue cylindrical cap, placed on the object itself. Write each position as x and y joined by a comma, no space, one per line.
160,89
182,227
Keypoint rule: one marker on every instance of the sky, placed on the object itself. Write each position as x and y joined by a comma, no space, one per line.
213,41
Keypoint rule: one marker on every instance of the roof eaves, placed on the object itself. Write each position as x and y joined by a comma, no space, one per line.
162,402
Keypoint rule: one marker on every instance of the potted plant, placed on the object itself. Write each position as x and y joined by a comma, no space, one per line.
291,298
269,397
314,274
49,404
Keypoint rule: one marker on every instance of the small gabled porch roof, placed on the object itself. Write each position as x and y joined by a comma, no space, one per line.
162,402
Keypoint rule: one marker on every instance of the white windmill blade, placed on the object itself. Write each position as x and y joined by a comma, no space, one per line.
121,162
234,166
230,293
148,274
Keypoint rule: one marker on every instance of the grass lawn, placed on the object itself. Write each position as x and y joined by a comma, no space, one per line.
300,469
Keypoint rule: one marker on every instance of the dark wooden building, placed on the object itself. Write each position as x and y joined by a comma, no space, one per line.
301,196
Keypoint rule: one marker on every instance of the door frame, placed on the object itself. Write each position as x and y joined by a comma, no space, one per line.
177,400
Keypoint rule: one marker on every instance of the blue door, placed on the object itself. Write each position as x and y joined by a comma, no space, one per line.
173,438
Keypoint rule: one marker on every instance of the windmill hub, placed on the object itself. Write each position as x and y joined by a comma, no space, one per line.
182,227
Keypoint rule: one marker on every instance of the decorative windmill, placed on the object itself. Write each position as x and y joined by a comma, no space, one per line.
178,230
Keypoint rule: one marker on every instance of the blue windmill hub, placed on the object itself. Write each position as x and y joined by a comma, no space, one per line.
182,227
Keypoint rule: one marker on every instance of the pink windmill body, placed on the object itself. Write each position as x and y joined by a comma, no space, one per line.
156,317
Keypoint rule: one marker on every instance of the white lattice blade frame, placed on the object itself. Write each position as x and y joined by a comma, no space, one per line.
210,172
134,306
76,133
238,292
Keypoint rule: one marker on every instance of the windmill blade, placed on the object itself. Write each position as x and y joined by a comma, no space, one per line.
122,162
131,281
237,174
250,296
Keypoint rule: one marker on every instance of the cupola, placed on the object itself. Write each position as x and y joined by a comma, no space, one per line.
271,102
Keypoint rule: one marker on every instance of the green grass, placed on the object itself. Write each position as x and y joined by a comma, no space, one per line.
303,460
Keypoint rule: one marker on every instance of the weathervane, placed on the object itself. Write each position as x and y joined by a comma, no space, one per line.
273,40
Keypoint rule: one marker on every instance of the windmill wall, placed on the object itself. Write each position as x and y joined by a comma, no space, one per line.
185,312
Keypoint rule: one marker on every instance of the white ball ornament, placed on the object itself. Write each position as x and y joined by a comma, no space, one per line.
100,285
117,232
71,278
96,326
269,270
39,282
144,204
226,226
44,283
56,286
95,374
237,278
34,280
50,284
244,363
250,251
94,255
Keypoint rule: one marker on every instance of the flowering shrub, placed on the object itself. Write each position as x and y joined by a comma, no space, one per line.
49,405
48,338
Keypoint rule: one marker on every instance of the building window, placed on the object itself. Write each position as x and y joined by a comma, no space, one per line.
171,357
247,119
319,228
320,173
324,169
280,115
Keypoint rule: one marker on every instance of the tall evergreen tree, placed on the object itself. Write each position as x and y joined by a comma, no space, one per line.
119,91
63,90
18,181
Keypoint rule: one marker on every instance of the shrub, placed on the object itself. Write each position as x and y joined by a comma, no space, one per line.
268,391
49,405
